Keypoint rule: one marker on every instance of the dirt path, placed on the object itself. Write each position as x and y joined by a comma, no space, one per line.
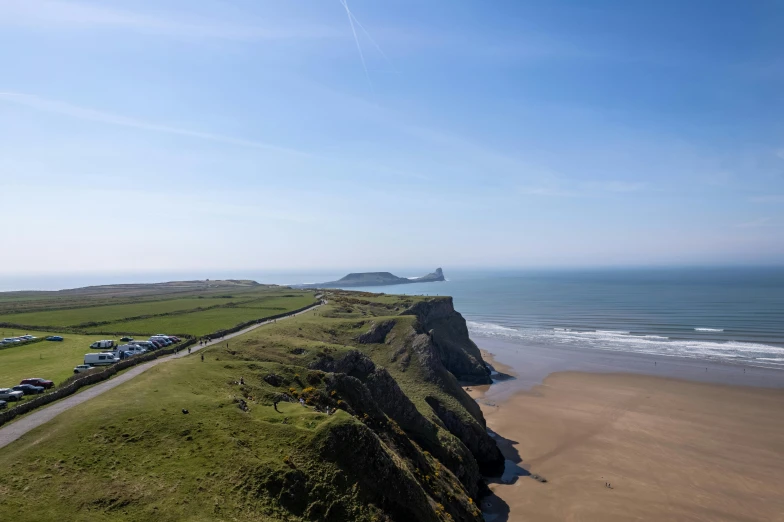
16,429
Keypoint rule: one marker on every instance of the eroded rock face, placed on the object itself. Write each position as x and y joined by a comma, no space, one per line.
470,431
378,333
457,351
378,392
474,436
363,455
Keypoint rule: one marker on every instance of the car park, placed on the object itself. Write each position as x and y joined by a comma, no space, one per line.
7,394
147,345
54,338
37,381
29,389
82,368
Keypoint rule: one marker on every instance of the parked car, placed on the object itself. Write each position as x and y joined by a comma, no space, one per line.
147,345
163,340
3,405
175,338
157,343
29,389
82,368
102,345
54,338
27,337
7,394
37,381
100,359
126,339
11,340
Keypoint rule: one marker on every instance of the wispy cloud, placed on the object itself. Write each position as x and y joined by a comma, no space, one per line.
771,198
616,186
758,223
58,13
89,114
567,188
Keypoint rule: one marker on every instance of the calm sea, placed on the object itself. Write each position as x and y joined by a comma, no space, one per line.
722,315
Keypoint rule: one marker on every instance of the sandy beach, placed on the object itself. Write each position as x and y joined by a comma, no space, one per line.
671,449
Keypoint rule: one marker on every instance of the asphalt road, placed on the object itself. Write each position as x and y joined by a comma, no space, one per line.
17,428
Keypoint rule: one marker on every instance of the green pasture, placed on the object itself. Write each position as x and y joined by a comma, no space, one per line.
46,359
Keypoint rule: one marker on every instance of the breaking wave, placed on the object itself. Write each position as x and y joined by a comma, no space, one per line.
624,341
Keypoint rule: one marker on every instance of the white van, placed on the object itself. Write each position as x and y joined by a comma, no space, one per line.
100,359
102,345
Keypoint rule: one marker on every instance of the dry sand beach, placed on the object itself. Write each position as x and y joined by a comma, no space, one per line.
671,449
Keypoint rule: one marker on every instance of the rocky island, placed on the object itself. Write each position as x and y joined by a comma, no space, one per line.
377,279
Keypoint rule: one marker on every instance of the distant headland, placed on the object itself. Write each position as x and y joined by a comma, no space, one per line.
377,279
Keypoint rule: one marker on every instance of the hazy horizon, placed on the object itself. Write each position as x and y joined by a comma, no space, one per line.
205,137
62,281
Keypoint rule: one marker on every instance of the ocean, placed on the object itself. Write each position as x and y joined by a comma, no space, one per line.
728,315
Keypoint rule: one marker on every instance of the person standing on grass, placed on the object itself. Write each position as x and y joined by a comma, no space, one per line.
202,357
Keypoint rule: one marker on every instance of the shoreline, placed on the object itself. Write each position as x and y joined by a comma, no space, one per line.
672,448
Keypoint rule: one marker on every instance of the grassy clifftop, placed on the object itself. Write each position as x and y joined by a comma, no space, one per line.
405,443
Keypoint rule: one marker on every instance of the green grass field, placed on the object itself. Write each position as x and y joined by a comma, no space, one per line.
207,321
50,360
55,361
77,316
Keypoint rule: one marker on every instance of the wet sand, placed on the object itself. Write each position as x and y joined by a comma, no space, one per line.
672,449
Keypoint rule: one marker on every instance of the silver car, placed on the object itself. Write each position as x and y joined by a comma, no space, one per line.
7,394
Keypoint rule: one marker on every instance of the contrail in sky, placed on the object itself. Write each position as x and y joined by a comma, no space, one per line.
378,47
356,39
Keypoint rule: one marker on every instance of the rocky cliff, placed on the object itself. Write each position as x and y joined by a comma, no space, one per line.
449,333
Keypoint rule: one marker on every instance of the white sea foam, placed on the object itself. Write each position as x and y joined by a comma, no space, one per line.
622,341
709,329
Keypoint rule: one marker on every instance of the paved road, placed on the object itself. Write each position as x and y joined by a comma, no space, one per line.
16,429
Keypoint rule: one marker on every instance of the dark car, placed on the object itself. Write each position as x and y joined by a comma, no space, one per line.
157,343
175,338
28,389
3,405
37,381
126,339
54,338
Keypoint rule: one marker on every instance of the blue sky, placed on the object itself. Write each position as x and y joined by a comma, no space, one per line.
252,135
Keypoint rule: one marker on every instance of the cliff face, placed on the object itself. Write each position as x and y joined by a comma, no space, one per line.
435,347
449,334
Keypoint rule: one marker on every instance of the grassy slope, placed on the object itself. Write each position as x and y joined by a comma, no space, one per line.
132,454
50,360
